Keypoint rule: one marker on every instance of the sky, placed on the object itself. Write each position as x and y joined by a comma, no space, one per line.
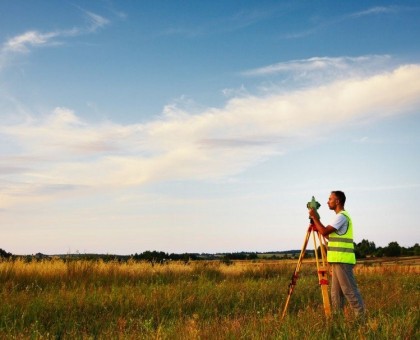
205,126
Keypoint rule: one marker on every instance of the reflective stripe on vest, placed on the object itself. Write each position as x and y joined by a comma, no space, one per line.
341,247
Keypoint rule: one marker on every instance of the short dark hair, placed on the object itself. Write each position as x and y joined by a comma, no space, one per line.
340,196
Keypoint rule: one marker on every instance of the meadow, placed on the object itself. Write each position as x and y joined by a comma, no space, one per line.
80,299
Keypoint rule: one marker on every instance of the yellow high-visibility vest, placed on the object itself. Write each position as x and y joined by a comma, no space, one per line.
341,247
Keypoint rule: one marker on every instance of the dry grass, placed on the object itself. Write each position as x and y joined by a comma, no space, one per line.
201,300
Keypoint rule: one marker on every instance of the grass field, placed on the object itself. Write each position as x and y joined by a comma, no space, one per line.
200,300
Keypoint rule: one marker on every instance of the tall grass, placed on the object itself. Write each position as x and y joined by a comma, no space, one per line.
206,300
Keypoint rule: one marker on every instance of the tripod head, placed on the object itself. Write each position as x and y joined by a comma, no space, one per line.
313,204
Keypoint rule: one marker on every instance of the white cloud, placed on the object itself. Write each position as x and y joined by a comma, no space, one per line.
376,10
61,153
23,42
320,64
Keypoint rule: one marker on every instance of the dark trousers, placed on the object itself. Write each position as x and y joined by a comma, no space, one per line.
344,286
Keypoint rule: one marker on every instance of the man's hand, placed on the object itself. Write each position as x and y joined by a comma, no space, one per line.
313,214
324,231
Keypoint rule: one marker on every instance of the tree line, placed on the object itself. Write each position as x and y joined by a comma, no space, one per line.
363,249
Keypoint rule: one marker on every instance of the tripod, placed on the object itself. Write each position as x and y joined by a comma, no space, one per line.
321,265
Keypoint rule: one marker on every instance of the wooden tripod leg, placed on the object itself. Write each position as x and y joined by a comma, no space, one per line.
323,275
295,275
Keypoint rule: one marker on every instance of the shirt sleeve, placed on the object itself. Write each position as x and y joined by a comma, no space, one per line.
340,224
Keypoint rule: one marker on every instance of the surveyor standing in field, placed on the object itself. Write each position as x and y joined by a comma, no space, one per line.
340,254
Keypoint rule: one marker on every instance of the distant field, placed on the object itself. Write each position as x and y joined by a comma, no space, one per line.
409,260
200,300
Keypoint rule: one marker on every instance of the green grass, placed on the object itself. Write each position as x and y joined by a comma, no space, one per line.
202,300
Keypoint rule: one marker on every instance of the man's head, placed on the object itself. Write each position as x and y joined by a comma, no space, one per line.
337,199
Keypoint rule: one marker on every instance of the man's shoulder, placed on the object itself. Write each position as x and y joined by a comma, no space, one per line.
340,223
344,213
340,217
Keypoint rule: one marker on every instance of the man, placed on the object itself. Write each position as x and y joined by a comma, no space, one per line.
340,254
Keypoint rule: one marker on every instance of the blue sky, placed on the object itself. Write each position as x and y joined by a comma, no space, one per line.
188,126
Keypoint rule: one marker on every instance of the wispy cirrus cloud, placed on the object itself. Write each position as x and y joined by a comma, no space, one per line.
377,10
326,67
60,153
328,22
24,42
95,21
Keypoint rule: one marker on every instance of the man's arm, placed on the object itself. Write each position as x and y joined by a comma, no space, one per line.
324,231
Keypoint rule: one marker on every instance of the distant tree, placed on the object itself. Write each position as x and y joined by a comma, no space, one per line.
406,251
185,257
241,256
379,252
252,256
365,248
154,256
416,249
392,250
4,254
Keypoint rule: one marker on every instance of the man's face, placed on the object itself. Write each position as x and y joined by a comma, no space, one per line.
332,202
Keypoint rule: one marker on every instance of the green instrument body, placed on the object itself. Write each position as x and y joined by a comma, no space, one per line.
314,205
